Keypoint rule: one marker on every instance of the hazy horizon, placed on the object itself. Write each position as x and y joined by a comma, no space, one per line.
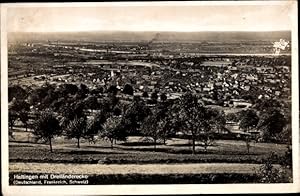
221,36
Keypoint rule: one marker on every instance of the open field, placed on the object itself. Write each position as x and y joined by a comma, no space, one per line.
135,151
136,162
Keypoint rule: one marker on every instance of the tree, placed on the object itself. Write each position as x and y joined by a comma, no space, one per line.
163,97
24,117
17,92
166,122
128,89
42,92
96,124
264,105
69,89
112,89
77,128
150,128
83,90
50,97
248,120
113,130
218,119
17,109
271,123
110,102
134,115
70,111
91,102
269,174
145,94
12,117
47,126
232,117
154,97
197,121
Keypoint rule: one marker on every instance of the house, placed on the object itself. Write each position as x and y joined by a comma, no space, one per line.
239,103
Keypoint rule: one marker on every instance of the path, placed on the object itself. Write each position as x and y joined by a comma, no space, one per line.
196,168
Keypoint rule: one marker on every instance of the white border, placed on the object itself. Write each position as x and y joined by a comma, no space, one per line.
151,189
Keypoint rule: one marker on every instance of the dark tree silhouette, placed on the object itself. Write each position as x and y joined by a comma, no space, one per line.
17,92
145,94
128,89
271,123
163,97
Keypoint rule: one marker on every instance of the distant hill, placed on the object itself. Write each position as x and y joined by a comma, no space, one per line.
100,36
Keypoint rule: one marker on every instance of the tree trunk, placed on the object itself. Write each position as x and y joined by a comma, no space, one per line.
194,146
248,147
11,125
164,140
78,142
26,127
50,143
206,144
112,143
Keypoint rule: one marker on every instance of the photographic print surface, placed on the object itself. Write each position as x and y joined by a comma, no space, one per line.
139,94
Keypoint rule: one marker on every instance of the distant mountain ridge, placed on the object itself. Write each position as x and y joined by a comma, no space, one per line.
98,36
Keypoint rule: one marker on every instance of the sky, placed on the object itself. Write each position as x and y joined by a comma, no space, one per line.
149,18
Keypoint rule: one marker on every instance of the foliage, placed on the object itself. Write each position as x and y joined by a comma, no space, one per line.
18,109
271,123
12,117
112,89
248,119
154,96
77,128
91,102
17,92
234,117
134,115
47,126
163,97
145,94
267,104
128,89
197,121
270,174
149,128
66,89
96,124
83,90
113,130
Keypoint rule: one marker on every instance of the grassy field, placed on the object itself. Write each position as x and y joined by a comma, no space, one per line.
137,162
135,151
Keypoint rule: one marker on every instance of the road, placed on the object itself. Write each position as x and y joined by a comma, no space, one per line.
196,168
